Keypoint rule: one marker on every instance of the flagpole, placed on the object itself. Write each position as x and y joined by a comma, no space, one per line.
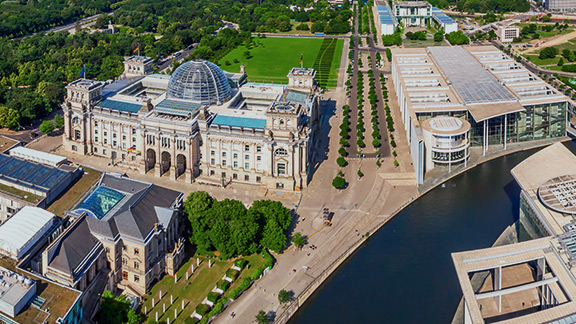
138,49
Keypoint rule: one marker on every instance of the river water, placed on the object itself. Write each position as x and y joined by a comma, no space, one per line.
404,273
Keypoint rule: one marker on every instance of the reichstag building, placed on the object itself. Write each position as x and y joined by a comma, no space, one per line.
200,124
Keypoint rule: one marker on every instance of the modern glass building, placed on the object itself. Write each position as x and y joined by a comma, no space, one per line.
503,102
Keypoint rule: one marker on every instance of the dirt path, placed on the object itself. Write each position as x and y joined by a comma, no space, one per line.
552,42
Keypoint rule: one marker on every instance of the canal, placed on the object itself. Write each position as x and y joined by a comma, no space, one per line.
404,273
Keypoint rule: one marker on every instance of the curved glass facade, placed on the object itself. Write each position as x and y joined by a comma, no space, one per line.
200,81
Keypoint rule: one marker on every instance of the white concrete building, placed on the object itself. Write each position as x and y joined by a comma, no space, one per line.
506,34
412,14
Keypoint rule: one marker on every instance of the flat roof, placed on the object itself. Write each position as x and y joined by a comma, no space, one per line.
120,105
459,66
469,262
559,193
234,121
30,175
58,299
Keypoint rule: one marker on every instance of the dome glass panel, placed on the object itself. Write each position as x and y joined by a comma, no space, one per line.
200,81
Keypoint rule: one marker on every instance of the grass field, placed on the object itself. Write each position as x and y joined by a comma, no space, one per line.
536,60
272,59
191,291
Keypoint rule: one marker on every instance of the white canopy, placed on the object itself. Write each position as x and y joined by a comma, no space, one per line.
37,156
19,233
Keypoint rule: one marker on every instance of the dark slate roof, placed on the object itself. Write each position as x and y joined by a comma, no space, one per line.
136,214
74,247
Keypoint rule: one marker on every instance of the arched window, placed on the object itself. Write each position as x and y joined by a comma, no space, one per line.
281,152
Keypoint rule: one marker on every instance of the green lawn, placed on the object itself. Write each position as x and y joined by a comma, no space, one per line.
272,59
191,291
534,59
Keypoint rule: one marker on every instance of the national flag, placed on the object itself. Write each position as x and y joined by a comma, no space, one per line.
130,149
83,71
137,48
301,57
284,94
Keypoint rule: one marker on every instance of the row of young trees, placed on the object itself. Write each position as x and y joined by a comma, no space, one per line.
231,229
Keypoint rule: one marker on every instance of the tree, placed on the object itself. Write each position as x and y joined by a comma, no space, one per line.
262,318
438,37
338,182
341,161
276,219
548,52
247,55
47,127
114,309
561,62
58,121
283,296
9,118
457,38
298,240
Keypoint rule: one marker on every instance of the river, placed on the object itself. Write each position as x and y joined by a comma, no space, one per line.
404,273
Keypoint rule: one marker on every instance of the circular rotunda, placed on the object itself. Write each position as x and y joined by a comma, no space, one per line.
199,81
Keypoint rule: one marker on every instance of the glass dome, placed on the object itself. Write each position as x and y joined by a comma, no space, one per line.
199,81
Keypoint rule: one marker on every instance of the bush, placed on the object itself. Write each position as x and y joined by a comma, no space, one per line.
389,55
232,274
339,182
257,273
240,263
393,143
303,26
243,286
341,161
218,307
213,297
188,320
202,309
222,284
360,174
396,164
58,121
360,143
342,151
47,127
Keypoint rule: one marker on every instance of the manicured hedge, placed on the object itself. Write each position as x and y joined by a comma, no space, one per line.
213,297
223,284
202,309
232,274
240,263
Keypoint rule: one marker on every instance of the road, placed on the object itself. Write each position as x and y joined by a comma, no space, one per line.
167,63
84,22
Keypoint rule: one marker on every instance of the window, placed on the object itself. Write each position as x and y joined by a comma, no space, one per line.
235,176
124,261
212,144
223,163
114,143
114,127
76,120
105,133
105,152
259,158
134,139
124,129
124,275
136,251
123,247
124,145
95,150
223,174
95,123
212,161
281,152
10,210
224,146
281,167
258,167
246,178
136,265
77,135
279,185
136,278
114,135
236,147
212,172
133,158
96,139
258,179
95,131
212,153
258,149
123,137
246,165
246,148
223,154
105,141
133,131
235,164
246,157
123,156
235,155
105,125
